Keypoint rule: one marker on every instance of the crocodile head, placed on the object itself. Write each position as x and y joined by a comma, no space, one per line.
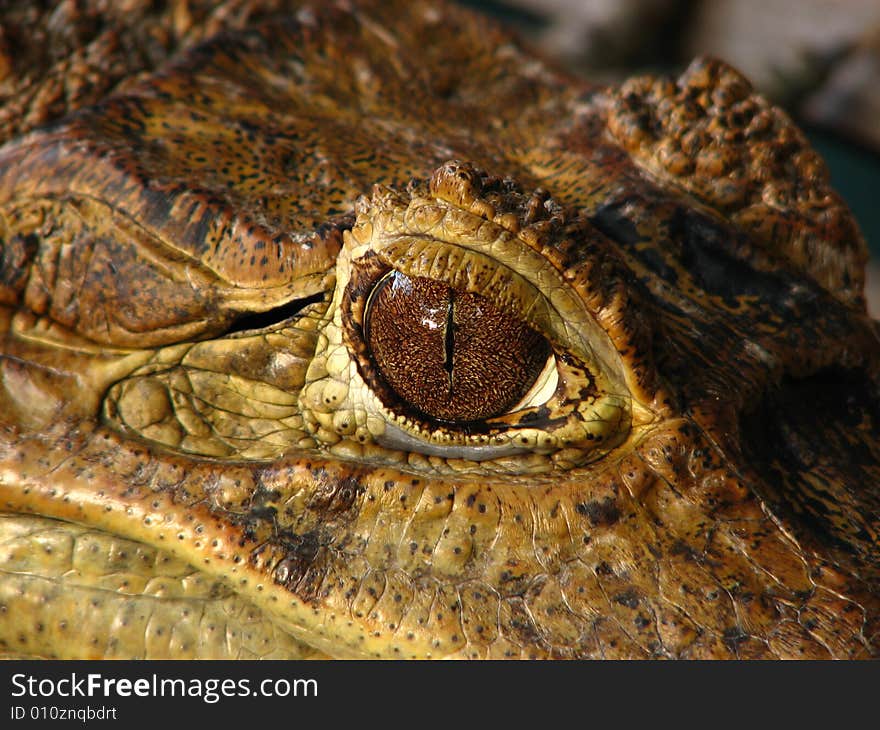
359,332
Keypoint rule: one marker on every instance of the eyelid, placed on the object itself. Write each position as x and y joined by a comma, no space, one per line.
542,389
395,437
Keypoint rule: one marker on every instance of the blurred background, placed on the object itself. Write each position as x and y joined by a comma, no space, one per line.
820,59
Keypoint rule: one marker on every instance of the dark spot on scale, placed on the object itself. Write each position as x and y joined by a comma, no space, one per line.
708,255
628,598
733,636
612,220
605,512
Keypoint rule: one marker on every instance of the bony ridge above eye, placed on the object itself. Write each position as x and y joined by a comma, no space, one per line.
529,380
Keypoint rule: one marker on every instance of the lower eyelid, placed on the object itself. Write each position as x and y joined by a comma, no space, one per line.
397,438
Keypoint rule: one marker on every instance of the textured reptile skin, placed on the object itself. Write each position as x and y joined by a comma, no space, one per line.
200,455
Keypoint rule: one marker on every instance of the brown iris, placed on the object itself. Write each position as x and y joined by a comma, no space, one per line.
451,354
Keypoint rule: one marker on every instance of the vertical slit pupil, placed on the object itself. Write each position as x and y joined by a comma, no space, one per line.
449,337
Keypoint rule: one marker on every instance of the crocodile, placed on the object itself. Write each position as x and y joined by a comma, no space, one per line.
360,330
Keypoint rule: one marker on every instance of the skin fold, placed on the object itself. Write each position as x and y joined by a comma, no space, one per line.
223,262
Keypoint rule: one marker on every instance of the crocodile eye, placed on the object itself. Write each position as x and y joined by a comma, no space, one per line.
456,337
450,354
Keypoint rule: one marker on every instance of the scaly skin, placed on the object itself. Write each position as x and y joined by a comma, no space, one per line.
198,458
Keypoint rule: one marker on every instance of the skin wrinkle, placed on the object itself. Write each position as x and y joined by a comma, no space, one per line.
409,522
444,527
374,526
235,392
195,603
64,581
657,620
146,252
769,573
